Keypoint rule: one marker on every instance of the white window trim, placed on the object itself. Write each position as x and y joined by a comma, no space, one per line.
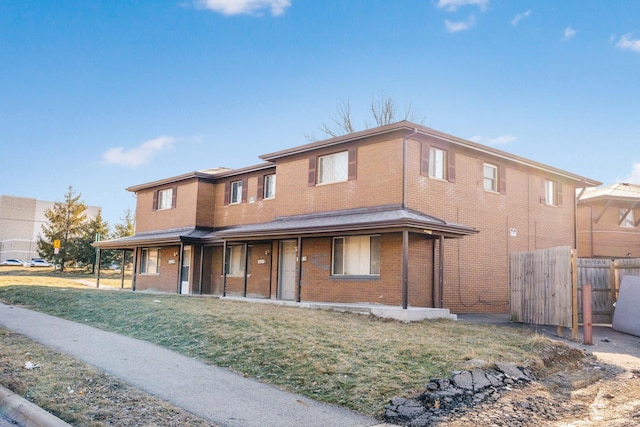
267,178
165,199
235,260
235,197
493,180
629,220
144,264
363,257
437,164
342,156
551,192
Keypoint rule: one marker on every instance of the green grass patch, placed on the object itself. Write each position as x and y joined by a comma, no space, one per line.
351,360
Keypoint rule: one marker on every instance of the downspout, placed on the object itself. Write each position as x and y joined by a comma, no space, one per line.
299,271
246,268
201,270
135,269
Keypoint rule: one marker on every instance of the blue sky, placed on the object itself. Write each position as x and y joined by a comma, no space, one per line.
103,95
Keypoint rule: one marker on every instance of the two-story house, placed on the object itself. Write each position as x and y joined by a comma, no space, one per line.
609,221
398,215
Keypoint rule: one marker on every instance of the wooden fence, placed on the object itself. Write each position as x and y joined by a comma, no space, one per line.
543,289
605,276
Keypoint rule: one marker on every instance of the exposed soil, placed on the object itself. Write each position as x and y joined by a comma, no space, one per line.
573,390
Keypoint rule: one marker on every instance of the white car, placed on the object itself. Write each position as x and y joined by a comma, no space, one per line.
39,262
14,262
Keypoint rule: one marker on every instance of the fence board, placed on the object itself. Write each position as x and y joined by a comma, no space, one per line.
541,287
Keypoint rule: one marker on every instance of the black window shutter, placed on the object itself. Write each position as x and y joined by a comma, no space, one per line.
155,200
312,171
353,163
558,193
260,194
451,166
502,173
174,196
245,189
227,192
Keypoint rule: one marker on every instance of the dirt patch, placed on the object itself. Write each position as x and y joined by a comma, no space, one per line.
574,389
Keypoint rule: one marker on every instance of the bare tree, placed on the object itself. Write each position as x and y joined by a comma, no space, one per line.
384,110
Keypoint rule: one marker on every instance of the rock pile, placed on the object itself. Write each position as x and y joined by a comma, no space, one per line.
448,396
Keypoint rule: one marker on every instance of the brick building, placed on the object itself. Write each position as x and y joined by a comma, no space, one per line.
398,215
609,221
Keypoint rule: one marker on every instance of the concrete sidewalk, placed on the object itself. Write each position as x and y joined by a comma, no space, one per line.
212,393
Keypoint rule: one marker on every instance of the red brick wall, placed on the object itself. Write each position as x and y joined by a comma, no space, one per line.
183,215
167,278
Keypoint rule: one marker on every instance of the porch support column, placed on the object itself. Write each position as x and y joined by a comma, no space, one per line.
434,287
135,269
180,256
271,270
201,269
224,268
98,257
246,266
124,260
405,269
299,270
441,274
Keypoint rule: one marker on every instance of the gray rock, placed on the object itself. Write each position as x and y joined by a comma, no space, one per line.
463,380
511,371
480,381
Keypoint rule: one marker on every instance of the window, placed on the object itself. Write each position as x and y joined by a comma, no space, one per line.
235,260
552,193
490,177
437,163
333,168
626,218
150,261
236,192
164,199
270,186
356,256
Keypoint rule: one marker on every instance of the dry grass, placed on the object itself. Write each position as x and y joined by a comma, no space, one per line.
347,359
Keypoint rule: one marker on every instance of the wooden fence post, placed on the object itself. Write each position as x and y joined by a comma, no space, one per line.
574,294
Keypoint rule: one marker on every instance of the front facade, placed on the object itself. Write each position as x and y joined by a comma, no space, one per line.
609,222
21,222
398,215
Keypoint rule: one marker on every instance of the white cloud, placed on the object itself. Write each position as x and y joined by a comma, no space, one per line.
499,140
244,7
519,17
627,43
454,27
568,33
453,5
138,155
634,178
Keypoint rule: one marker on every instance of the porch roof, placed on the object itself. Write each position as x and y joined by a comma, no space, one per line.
386,218
164,237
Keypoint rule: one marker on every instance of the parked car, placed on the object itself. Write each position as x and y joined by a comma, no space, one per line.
39,262
14,262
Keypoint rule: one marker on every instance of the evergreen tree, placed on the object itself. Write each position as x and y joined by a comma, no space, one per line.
124,229
65,221
82,251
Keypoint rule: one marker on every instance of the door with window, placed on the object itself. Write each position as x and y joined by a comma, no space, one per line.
186,264
288,263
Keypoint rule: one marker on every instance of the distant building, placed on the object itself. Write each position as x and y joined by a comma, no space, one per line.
21,222
609,221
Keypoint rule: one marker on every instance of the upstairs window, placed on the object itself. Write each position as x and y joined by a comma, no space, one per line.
552,193
437,163
150,261
490,177
333,168
236,192
356,256
270,186
626,218
164,199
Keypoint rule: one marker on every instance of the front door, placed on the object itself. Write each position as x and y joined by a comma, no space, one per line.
288,254
186,263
